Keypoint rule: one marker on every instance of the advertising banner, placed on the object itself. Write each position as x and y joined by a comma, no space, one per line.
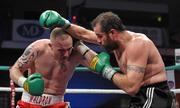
28,30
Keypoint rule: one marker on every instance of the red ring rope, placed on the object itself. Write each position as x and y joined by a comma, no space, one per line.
12,95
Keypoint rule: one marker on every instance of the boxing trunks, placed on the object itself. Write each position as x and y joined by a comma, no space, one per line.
153,96
44,101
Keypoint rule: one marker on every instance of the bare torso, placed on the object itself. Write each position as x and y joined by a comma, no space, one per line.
55,74
154,70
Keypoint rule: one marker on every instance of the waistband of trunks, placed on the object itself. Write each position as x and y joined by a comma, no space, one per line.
44,100
163,84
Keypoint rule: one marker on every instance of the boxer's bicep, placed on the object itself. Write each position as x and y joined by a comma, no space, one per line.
82,33
137,57
27,58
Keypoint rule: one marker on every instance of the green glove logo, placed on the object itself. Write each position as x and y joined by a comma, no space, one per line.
94,62
25,86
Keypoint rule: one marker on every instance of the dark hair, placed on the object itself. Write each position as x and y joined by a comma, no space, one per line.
108,21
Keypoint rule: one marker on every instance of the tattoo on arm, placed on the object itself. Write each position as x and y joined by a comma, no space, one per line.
26,57
135,68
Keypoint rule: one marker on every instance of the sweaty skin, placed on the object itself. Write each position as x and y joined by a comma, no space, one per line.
55,62
137,57
145,65
142,72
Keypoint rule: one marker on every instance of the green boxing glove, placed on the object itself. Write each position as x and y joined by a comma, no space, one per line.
50,18
34,84
101,65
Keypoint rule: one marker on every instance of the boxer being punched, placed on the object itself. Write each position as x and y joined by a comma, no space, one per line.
142,75
50,64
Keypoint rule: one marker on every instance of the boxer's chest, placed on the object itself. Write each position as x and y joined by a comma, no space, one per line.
121,61
51,67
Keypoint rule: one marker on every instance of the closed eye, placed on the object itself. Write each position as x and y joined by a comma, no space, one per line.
99,35
68,49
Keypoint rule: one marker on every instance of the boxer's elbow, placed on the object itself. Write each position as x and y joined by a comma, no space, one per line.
132,90
14,73
10,73
131,87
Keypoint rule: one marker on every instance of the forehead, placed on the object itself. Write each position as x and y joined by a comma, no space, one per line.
97,28
63,43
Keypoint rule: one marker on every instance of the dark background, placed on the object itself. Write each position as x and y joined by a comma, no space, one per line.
85,11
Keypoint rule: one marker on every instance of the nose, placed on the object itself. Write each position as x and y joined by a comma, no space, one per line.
99,41
66,53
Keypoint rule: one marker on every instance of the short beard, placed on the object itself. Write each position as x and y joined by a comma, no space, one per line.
111,46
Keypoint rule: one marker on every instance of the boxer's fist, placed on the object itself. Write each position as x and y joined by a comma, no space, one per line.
34,84
50,18
101,65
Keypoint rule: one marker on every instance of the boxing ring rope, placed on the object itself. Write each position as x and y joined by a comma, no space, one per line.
83,91
82,69
12,89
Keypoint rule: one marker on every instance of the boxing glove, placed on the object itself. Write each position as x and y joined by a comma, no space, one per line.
34,84
50,18
100,64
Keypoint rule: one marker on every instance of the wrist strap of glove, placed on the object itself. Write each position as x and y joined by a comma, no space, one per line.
83,49
108,72
67,24
21,81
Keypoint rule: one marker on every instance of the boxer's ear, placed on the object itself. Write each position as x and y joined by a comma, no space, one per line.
112,33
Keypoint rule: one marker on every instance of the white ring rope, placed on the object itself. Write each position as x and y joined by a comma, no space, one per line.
84,91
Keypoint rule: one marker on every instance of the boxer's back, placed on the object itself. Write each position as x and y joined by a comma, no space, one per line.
155,69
